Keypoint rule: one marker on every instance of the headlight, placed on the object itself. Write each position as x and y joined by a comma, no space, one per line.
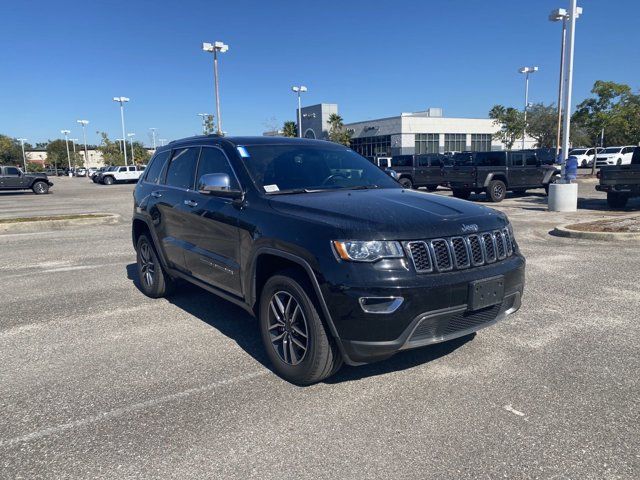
367,251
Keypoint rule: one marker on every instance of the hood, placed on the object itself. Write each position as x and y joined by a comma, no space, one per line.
36,175
389,214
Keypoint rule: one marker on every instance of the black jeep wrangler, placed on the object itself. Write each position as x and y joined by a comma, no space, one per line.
424,170
338,262
13,178
496,173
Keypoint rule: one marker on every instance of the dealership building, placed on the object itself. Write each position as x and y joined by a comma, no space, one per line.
426,131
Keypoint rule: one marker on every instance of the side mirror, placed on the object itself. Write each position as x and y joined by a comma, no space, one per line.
392,173
218,184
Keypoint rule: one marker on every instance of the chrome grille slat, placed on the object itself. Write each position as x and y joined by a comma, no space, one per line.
461,251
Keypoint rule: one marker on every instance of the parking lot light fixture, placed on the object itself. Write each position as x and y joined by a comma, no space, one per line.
66,141
24,156
84,124
214,48
122,101
298,90
131,135
526,71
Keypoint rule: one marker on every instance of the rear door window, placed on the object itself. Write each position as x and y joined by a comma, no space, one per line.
402,161
531,160
155,168
517,159
182,168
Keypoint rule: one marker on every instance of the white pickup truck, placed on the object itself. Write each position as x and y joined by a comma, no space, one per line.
121,174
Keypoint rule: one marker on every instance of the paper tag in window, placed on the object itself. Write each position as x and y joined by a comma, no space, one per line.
271,188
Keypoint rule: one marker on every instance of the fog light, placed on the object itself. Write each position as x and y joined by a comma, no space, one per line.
380,304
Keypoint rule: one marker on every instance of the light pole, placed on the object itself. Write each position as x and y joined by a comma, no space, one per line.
131,135
122,101
153,134
216,47
526,71
84,124
119,140
73,143
555,16
66,140
24,156
298,91
563,196
162,140
203,116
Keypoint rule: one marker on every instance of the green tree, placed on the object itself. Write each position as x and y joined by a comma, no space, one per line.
141,155
613,107
337,131
542,124
289,129
57,154
111,151
34,167
511,122
10,151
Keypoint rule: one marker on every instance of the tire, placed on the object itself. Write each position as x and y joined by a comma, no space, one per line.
154,281
584,164
617,200
108,180
553,179
619,162
463,194
296,359
497,191
40,188
406,183
432,188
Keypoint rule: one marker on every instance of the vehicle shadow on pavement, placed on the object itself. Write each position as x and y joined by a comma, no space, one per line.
224,316
400,361
238,325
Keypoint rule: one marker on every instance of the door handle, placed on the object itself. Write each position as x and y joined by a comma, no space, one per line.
190,203
156,194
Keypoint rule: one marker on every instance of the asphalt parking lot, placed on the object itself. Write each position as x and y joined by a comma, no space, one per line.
99,381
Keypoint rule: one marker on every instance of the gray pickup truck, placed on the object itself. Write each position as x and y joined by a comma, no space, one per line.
621,182
13,178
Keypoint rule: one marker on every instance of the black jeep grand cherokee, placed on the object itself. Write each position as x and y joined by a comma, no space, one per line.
337,261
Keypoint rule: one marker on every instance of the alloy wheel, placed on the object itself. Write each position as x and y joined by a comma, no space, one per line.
147,265
288,329
39,187
498,191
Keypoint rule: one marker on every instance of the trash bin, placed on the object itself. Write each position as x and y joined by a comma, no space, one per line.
571,169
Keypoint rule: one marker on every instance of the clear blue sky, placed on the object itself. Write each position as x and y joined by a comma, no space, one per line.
65,61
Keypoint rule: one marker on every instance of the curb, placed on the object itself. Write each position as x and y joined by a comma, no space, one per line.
44,225
563,231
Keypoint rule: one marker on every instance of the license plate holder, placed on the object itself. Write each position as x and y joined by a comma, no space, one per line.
486,292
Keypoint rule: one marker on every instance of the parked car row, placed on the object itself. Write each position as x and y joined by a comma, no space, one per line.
117,174
494,173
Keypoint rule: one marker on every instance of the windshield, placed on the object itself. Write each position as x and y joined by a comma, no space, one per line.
612,150
282,168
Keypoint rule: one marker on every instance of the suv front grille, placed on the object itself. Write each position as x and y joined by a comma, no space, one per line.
445,254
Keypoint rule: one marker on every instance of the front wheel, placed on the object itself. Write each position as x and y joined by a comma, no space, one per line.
617,200
497,190
40,188
463,194
406,183
293,334
107,180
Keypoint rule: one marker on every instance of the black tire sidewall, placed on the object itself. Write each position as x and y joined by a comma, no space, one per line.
108,181
492,196
45,188
406,183
301,372
158,287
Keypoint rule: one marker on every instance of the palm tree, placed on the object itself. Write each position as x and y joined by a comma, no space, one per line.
289,129
337,132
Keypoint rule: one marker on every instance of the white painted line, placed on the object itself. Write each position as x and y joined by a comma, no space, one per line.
118,412
509,408
70,268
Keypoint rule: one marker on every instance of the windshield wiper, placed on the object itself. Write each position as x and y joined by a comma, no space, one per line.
363,187
296,190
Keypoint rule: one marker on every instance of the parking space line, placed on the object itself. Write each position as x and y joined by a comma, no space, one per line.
118,412
69,268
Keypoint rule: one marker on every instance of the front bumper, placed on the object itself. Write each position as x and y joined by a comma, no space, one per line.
435,309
